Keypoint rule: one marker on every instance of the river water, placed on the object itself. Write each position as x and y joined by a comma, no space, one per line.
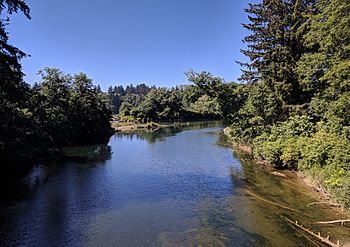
172,187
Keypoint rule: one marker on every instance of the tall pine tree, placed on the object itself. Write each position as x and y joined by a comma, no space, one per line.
12,86
19,136
275,46
325,68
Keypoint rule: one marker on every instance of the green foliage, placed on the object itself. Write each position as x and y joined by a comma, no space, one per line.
261,108
229,96
338,112
280,144
297,126
262,104
291,153
205,106
12,87
61,110
275,45
174,104
296,113
270,151
294,110
20,137
71,109
131,96
327,64
318,107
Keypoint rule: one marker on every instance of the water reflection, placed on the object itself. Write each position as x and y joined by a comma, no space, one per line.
265,198
88,154
173,187
216,226
13,188
161,134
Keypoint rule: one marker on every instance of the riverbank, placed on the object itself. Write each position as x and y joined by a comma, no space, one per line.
162,180
327,197
122,127
125,124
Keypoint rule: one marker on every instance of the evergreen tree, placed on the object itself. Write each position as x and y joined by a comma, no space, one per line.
275,45
326,67
12,87
20,137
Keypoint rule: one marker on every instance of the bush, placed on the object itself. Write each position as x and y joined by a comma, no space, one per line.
281,144
291,153
270,151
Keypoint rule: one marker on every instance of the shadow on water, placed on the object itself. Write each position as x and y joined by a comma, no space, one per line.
15,187
94,154
171,187
262,202
254,214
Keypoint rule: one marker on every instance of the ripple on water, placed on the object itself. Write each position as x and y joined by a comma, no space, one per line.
173,187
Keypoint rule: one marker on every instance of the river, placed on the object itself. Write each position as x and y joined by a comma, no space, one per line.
173,187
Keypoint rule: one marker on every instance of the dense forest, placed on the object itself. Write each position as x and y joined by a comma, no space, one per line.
60,110
292,104
144,104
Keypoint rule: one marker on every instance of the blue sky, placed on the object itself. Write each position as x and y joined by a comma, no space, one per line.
132,41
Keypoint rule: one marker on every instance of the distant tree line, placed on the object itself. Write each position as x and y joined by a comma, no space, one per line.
179,103
130,94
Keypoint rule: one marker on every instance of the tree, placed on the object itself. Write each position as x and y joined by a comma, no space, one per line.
53,106
72,111
90,112
205,106
326,67
230,96
17,127
60,110
12,87
275,46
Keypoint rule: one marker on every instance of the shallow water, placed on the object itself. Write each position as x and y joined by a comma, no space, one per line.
172,187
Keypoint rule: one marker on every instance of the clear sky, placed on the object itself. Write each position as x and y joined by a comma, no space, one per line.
132,41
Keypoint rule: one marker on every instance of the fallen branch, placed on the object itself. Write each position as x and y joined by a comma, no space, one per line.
270,202
342,222
279,174
310,238
318,235
322,203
